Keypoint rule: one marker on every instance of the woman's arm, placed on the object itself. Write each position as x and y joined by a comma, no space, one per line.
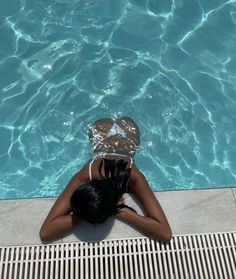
155,222
59,220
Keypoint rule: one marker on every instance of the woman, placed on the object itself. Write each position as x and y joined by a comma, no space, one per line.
95,192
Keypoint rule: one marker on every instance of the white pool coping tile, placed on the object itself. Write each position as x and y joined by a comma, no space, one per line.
189,211
21,219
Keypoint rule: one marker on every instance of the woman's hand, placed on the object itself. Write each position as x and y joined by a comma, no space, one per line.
122,207
121,201
120,204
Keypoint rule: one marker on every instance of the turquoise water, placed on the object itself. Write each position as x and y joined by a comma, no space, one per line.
171,65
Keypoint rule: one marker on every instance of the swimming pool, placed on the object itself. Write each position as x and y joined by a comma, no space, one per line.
171,66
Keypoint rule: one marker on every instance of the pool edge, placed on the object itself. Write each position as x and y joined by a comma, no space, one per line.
188,211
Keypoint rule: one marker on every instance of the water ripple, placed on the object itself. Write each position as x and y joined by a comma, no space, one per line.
170,65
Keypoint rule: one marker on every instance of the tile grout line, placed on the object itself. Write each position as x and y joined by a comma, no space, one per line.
234,195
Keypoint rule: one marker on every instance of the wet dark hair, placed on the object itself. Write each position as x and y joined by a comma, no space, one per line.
97,200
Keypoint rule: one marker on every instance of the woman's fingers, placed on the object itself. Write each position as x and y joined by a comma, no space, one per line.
121,201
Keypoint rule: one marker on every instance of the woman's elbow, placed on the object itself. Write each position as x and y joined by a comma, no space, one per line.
167,233
164,238
167,237
44,236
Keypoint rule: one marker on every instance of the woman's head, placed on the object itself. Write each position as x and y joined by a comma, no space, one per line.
97,200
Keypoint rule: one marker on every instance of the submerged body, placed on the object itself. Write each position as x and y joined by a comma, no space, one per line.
95,192
121,136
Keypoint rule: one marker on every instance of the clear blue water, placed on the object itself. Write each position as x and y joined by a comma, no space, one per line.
171,65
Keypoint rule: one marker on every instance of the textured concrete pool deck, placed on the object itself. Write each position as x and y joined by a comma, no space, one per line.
188,211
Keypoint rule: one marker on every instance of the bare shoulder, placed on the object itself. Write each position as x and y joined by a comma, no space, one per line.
135,172
82,176
136,178
79,178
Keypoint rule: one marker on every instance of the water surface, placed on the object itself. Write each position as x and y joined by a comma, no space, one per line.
171,66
